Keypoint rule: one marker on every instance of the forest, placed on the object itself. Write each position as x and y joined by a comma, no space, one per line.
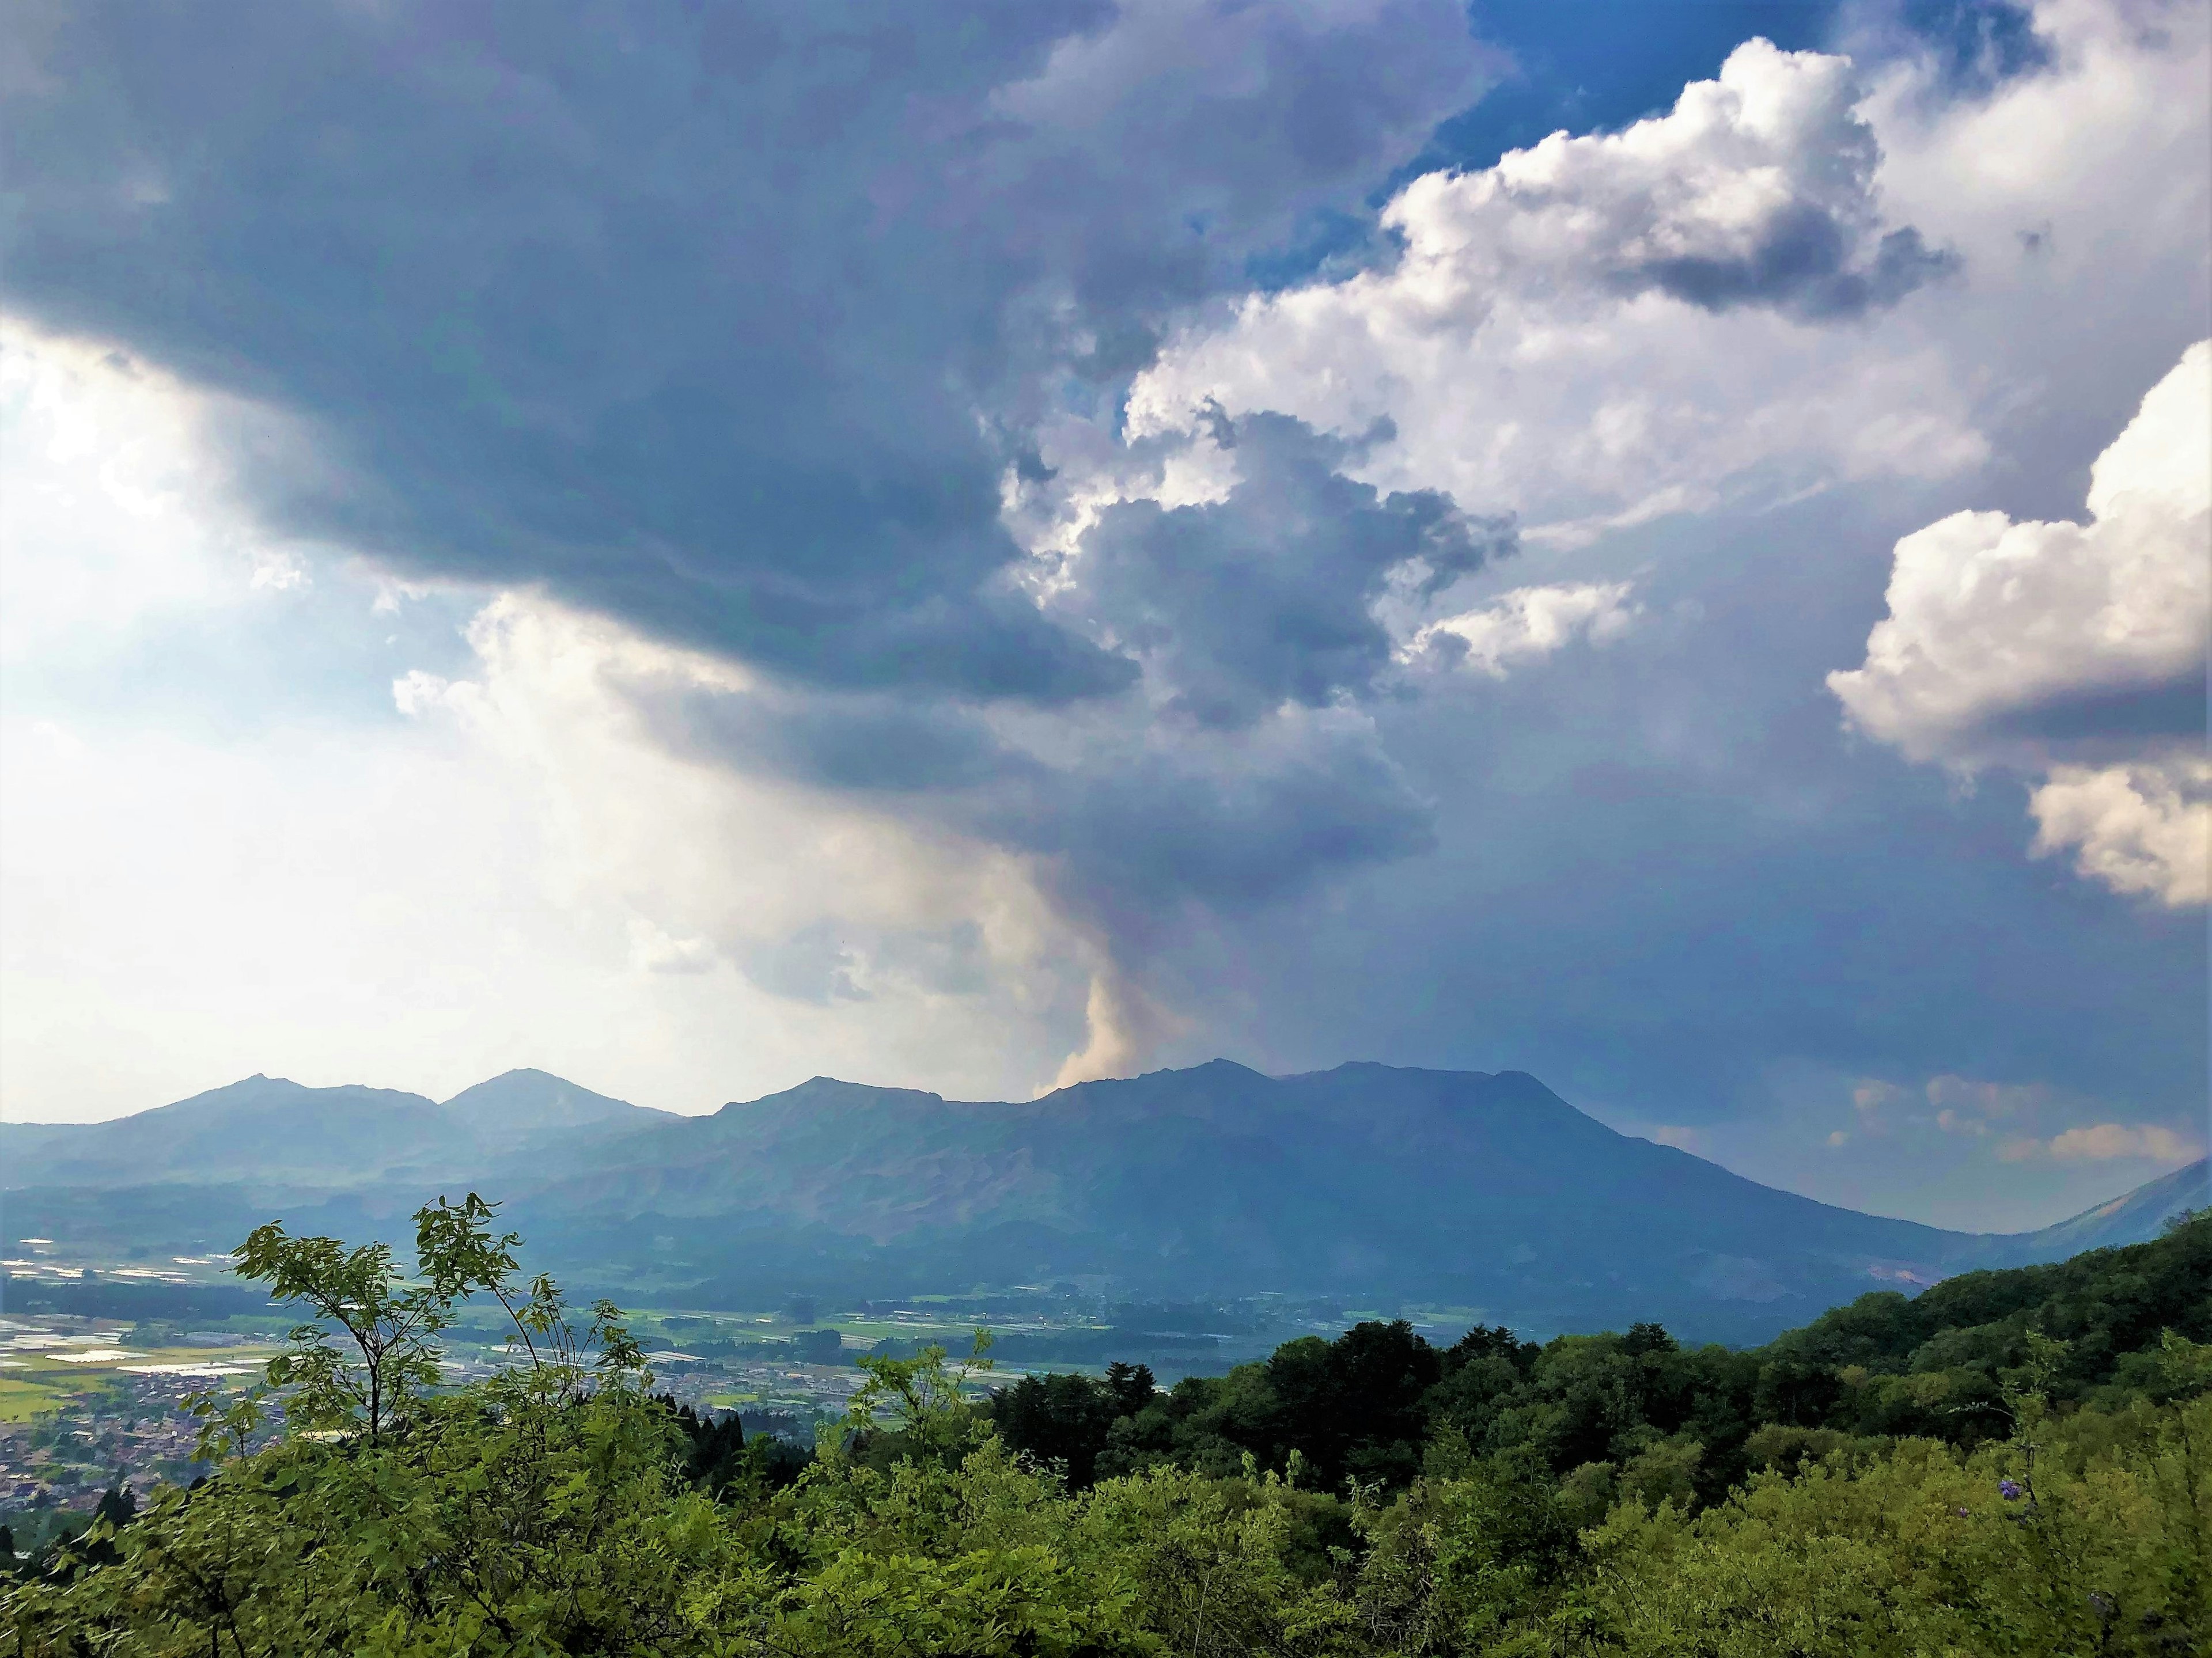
2013,1462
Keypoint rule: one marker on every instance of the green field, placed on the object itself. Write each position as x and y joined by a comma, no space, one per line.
42,1383
21,1400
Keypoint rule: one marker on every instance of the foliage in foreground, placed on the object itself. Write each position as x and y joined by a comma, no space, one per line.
562,1508
1638,1412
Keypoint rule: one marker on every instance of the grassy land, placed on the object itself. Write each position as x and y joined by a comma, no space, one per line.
21,1400
45,1384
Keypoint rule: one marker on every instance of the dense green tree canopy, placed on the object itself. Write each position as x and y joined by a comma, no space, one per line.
2033,1477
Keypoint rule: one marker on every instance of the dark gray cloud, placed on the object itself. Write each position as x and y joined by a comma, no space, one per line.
2102,725
723,319
1240,605
868,742
1806,261
1138,831
1142,848
1137,827
1253,616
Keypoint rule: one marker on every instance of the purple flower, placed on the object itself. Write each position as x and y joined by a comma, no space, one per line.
1963,1515
2009,1489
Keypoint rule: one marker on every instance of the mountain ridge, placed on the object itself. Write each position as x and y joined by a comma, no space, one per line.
1484,1190
340,1136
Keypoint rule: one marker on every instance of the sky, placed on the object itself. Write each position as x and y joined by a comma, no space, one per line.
980,546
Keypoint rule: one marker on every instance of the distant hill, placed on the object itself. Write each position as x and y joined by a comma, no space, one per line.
264,1129
266,1132
1367,1184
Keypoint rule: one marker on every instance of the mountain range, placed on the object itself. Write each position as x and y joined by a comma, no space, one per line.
1365,1186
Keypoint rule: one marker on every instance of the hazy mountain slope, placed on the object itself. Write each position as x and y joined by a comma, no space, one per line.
1485,1191
2132,1217
19,1142
264,1129
529,1104
267,1132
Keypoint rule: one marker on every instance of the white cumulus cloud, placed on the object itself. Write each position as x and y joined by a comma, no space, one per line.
1607,328
1530,623
2138,829
1808,272
2104,1142
2043,644
1989,619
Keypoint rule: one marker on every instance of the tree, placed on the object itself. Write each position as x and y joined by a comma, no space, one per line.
915,1407
716,1458
393,1325
1066,1420
1130,1387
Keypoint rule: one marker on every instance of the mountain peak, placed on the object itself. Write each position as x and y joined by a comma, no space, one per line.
835,1092
1219,1067
525,1101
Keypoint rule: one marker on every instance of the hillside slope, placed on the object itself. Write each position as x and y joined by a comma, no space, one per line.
2132,1217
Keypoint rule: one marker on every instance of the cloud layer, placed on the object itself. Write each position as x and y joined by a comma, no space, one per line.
996,543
